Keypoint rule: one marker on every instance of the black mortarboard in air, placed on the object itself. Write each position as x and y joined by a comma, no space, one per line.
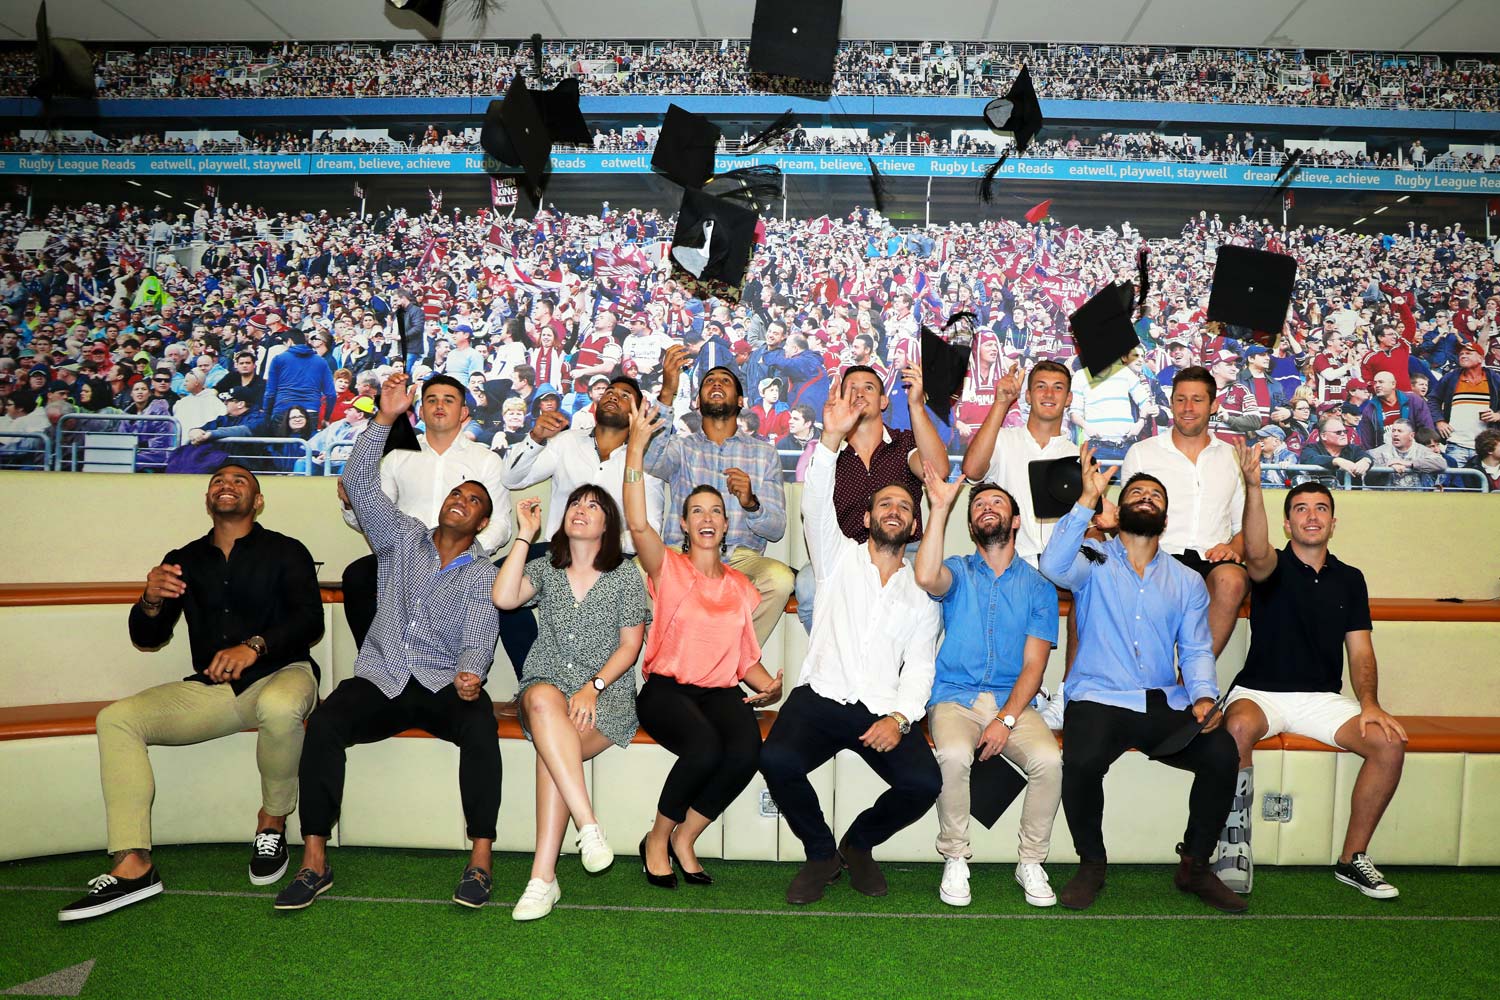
64,67
1017,111
1252,289
519,130
993,785
563,114
1056,484
685,148
714,239
430,11
797,38
944,366
1186,733
1102,329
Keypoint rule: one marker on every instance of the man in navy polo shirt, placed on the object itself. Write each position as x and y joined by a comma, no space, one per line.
1306,609
1000,623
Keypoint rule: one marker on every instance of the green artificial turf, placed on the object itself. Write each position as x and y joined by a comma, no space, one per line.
1132,943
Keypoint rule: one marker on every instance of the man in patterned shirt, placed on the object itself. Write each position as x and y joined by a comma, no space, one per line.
422,665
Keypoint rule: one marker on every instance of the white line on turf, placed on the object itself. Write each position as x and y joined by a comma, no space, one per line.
856,915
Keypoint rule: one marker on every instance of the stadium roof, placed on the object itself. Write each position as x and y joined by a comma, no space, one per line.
1380,25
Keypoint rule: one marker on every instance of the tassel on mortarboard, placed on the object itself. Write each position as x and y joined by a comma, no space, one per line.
775,132
877,185
987,182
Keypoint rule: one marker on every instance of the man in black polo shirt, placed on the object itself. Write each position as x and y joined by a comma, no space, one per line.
253,612
873,457
1306,609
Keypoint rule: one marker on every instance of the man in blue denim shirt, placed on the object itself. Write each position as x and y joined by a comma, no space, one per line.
1000,623
1142,617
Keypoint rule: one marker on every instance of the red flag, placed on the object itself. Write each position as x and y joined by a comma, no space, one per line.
1494,206
1039,212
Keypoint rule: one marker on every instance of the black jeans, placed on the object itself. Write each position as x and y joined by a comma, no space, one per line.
807,733
1094,737
358,712
715,737
518,629
361,581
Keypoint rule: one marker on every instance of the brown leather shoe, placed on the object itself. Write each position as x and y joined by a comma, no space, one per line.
1193,875
813,877
1084,887
864,873
508,709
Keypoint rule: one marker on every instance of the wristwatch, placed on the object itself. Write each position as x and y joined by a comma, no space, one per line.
256,643
598,683
901,722
1009,722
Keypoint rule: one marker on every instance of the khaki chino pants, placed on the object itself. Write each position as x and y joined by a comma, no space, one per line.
773,579
955,732
183,713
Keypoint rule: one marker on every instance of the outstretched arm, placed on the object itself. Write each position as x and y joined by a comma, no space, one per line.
932,576
645,421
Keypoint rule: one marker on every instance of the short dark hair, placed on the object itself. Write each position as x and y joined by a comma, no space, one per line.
610,555
1147,477
702,488
1049,366
526,374
865,370
1311,486
490,512
635,386
992,487
448,380
1196,373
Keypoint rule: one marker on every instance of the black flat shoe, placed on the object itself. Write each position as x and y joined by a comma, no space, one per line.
699,877
667,881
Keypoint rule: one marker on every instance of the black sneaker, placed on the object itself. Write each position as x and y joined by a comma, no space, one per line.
110,892
1361,873
473,889
305,889
268,857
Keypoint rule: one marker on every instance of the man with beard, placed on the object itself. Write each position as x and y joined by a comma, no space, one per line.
250,597
571,458
419,482
999,625
744,467
1199,472
865,681
1307,610
1142,617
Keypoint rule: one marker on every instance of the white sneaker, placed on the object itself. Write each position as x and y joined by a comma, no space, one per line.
537,901
1032,878
596,854
1052,713
955,887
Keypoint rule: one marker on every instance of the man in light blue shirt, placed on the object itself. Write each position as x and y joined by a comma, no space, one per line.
1000,623
1142,618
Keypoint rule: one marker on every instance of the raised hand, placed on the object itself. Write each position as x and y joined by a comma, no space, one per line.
1249,459
1008,387
839,414
164,581
528,518
549,424
916,391
738,483
940,493
645,420
673,362
1095,479
396,397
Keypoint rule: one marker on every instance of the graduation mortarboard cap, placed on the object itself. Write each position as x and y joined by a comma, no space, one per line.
1252,289
685,148
1056,485
1103,330
64,67
993,785
1184,735
563,113
519,130
714,239
944,366
797,38
1017,111
430,11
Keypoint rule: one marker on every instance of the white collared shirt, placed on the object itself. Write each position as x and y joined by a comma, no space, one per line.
418,481
871,643
1205,501
571,459
1010,467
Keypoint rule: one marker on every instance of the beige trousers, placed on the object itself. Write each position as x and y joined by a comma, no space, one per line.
186,712
773,579
955,732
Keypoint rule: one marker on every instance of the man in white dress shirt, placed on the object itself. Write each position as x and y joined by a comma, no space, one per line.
1207,497
865,681
417,481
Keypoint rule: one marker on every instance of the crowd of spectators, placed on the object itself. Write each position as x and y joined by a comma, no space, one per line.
289,325
1232,148
1061,71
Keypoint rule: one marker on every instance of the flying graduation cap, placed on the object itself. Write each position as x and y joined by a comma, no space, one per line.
64,67
1056,485
1252,289
430,11
714,240
688,143
1103,331
519,131
1018,112
944,367
795,38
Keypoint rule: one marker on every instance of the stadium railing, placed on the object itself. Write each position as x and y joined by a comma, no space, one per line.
1481,481
114,442
25,452
270,456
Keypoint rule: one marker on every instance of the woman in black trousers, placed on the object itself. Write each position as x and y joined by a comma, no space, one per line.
702,646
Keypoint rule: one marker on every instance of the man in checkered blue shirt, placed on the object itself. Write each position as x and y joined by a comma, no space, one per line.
422,665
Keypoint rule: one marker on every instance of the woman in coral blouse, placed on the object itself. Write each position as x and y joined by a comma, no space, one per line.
702,647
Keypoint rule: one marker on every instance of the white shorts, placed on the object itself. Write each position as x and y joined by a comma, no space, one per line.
1314,714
